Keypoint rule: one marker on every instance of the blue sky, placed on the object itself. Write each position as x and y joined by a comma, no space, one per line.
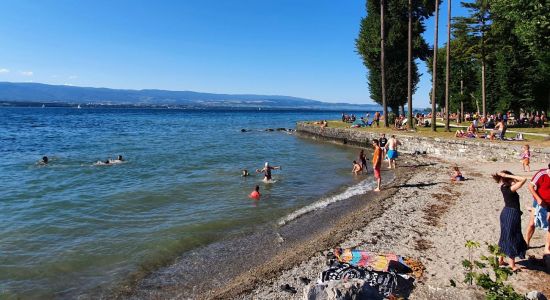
302,48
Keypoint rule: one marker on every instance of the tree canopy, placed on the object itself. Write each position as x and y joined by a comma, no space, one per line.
368,47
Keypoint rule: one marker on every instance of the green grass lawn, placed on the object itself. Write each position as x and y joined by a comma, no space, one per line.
441,133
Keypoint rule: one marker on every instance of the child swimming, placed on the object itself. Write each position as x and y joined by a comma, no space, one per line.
255,195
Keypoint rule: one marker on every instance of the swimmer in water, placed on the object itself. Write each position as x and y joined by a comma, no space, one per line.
244,173
103,163
267,171
44,161
255,193
117,161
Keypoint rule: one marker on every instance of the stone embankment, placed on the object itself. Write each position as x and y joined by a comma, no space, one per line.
462,148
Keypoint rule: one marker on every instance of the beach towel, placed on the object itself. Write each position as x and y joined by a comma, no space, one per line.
384,282
372,261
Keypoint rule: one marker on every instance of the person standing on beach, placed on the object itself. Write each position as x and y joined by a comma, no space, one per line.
540,189
377,119
376,163
383,141
392,151
511,240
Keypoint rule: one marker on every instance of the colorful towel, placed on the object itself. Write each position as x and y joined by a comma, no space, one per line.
371,261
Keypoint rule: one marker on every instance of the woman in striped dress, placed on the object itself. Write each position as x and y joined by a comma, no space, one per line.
511,240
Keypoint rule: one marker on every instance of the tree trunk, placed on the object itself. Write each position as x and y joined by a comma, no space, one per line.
410,123
382,67
448,66
461,98
483,85
483,96
434,73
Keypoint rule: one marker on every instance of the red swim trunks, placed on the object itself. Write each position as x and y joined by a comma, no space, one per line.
377,173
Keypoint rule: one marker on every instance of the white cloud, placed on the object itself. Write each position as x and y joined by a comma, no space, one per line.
26,73
73,77
4,70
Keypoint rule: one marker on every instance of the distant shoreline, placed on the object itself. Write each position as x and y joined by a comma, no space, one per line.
17,104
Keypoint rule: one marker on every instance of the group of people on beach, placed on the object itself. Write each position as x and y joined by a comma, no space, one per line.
512,242
497,131
364,120
383,149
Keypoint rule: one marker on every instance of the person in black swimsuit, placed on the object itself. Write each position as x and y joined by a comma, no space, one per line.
267,171
363,160
382,142
511,240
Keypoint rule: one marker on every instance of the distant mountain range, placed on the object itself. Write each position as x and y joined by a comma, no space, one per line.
12,93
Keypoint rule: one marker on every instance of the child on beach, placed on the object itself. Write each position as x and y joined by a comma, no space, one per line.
356,168
363,160
255,195
376,163
525,156
457,175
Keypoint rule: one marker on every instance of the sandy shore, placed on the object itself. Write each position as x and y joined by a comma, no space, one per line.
426,217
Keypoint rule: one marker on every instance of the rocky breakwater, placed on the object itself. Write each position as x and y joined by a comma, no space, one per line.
459,148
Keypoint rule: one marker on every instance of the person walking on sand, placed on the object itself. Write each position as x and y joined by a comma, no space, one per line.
392,151
376,163
267,171
511,240
525,157
540,189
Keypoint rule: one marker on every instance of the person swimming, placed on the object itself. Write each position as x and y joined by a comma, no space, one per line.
103,163
244,173
44,161
117,161
267,171
255,193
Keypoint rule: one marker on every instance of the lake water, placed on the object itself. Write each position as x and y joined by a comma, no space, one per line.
70,227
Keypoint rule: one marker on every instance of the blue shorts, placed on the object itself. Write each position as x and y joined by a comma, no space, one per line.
392,154
541,216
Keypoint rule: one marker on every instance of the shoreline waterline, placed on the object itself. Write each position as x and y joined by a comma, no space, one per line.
261,254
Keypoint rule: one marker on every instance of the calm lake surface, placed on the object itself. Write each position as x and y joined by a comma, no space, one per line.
70,227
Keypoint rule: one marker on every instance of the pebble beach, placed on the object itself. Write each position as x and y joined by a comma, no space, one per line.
429,218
